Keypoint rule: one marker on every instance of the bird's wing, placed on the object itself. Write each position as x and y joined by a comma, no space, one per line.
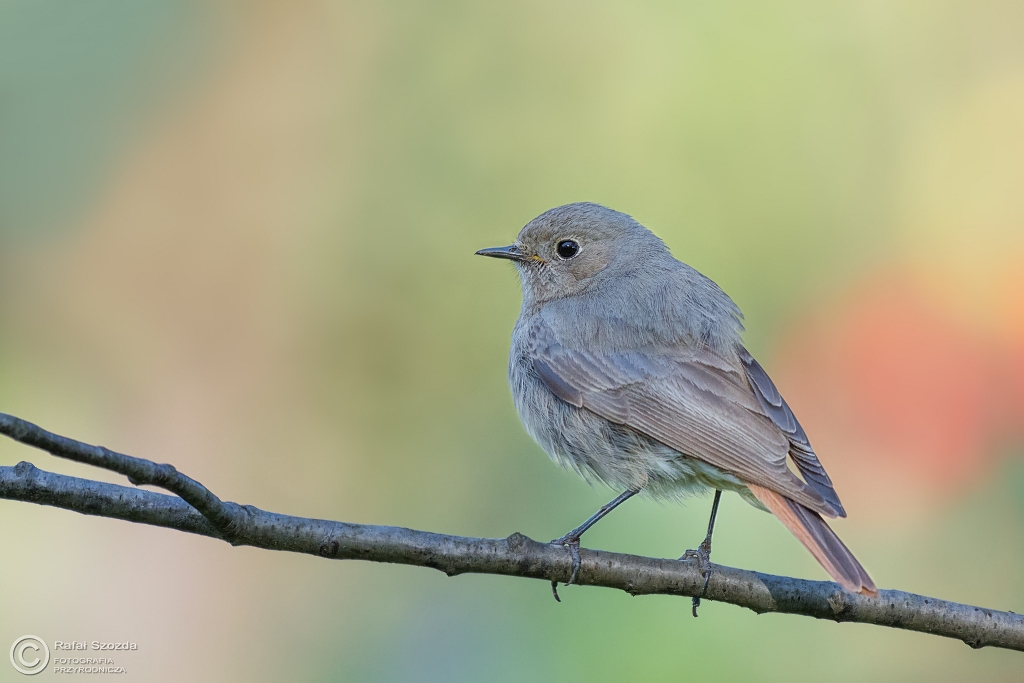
800,449
691,400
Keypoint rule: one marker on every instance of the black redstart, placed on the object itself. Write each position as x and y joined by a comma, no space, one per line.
627,366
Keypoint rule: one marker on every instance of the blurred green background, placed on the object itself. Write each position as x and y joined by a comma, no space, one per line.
238,237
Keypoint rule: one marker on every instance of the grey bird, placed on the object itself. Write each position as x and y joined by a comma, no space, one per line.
627,366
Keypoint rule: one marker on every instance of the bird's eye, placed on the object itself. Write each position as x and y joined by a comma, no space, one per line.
567,249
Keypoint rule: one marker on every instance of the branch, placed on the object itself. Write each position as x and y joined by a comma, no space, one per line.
194,509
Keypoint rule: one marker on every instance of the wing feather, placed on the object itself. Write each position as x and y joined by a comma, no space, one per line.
694,401
778,410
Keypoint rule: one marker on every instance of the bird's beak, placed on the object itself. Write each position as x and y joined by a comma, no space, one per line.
510,252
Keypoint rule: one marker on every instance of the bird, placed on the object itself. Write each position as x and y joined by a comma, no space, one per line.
627,366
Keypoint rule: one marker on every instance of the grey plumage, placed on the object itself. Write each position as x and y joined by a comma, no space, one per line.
627,366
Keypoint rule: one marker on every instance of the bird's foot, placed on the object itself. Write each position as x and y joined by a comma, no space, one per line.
573,544
703,556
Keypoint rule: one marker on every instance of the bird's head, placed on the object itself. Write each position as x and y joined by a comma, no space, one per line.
569,249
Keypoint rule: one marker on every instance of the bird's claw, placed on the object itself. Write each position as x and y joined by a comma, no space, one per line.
703,556
573,544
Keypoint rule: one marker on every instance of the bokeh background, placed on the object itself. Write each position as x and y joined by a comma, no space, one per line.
238,237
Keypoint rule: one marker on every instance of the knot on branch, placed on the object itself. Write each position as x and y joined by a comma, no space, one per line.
25,469
232,521
838,604
516,541
329,548
165,476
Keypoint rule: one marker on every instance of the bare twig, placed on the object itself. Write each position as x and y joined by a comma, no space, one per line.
196,510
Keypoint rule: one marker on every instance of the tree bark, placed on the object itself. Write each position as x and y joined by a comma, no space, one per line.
194,509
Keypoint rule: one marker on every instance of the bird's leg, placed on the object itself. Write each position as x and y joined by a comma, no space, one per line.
703,552
572,539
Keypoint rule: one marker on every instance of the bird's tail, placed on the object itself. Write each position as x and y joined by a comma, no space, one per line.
815,534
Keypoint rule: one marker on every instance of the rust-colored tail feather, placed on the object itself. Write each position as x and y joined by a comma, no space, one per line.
817,537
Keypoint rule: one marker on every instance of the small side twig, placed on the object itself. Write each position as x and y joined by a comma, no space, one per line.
226,518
